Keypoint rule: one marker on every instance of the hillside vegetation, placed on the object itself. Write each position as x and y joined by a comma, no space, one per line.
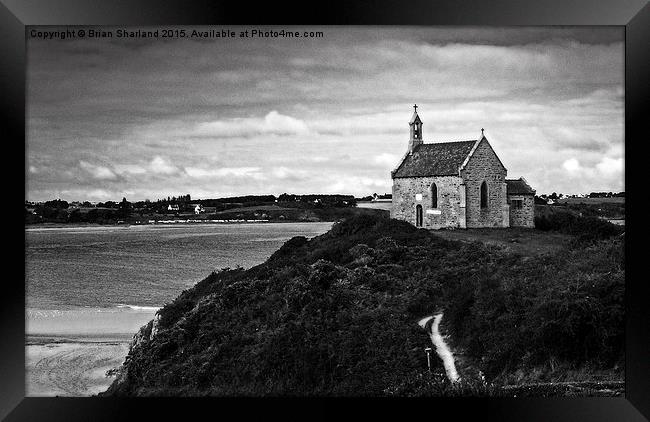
337,315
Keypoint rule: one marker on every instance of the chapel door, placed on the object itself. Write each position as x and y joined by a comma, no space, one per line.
418,216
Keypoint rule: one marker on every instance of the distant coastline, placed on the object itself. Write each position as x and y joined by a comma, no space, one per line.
184,210
327,215
147,223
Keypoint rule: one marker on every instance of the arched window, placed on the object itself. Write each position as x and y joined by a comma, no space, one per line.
418,216
434,196
484,195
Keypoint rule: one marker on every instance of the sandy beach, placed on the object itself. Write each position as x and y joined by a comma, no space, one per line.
67,367
68,352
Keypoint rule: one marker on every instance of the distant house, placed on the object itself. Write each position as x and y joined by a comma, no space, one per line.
173,207
198,208
457,184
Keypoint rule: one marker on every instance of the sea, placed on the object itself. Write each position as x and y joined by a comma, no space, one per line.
89,289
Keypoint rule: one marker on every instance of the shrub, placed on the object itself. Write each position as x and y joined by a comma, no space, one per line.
173,311
324,273
312,321
586,229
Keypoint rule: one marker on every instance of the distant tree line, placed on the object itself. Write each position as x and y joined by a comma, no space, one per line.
109,212
607,195
338,201
544,198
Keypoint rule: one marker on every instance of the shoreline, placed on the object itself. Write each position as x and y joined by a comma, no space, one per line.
181,223
47,339
79,324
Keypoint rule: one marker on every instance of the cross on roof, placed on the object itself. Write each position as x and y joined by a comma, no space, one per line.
415,107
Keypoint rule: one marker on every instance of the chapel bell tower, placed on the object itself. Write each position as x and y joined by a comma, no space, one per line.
416,130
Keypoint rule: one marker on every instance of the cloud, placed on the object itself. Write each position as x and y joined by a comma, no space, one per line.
273,123
129,169
388,160
324,114
606,167
610,166
572,165
281,172
89,194
355,185
97,172
160,165
290,174
202,173
608,172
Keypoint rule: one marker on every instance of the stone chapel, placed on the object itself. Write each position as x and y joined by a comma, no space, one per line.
457,185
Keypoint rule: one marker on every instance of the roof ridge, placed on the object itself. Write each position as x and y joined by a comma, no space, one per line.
449,142
519,186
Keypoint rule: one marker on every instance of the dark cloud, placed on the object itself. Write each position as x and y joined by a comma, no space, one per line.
339,105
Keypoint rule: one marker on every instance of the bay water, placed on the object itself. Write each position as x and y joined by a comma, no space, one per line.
89,289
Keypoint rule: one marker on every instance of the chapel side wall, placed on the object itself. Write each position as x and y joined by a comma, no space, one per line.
450,211
524,217
484,165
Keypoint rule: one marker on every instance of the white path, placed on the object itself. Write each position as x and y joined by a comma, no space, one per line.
441,347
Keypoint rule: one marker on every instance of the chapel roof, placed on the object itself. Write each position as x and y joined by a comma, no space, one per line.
518,187
437,159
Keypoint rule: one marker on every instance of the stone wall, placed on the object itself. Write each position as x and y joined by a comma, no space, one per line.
409,192
525,216
484,165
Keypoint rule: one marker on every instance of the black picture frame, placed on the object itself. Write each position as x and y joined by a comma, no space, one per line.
16,14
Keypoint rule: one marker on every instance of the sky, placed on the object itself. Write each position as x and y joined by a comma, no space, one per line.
151,118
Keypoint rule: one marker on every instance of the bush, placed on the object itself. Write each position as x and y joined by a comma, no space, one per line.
173,311
337,315
585,229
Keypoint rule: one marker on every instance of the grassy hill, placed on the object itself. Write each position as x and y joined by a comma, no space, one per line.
337,316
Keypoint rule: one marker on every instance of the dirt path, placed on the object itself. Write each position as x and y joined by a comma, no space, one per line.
432,324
